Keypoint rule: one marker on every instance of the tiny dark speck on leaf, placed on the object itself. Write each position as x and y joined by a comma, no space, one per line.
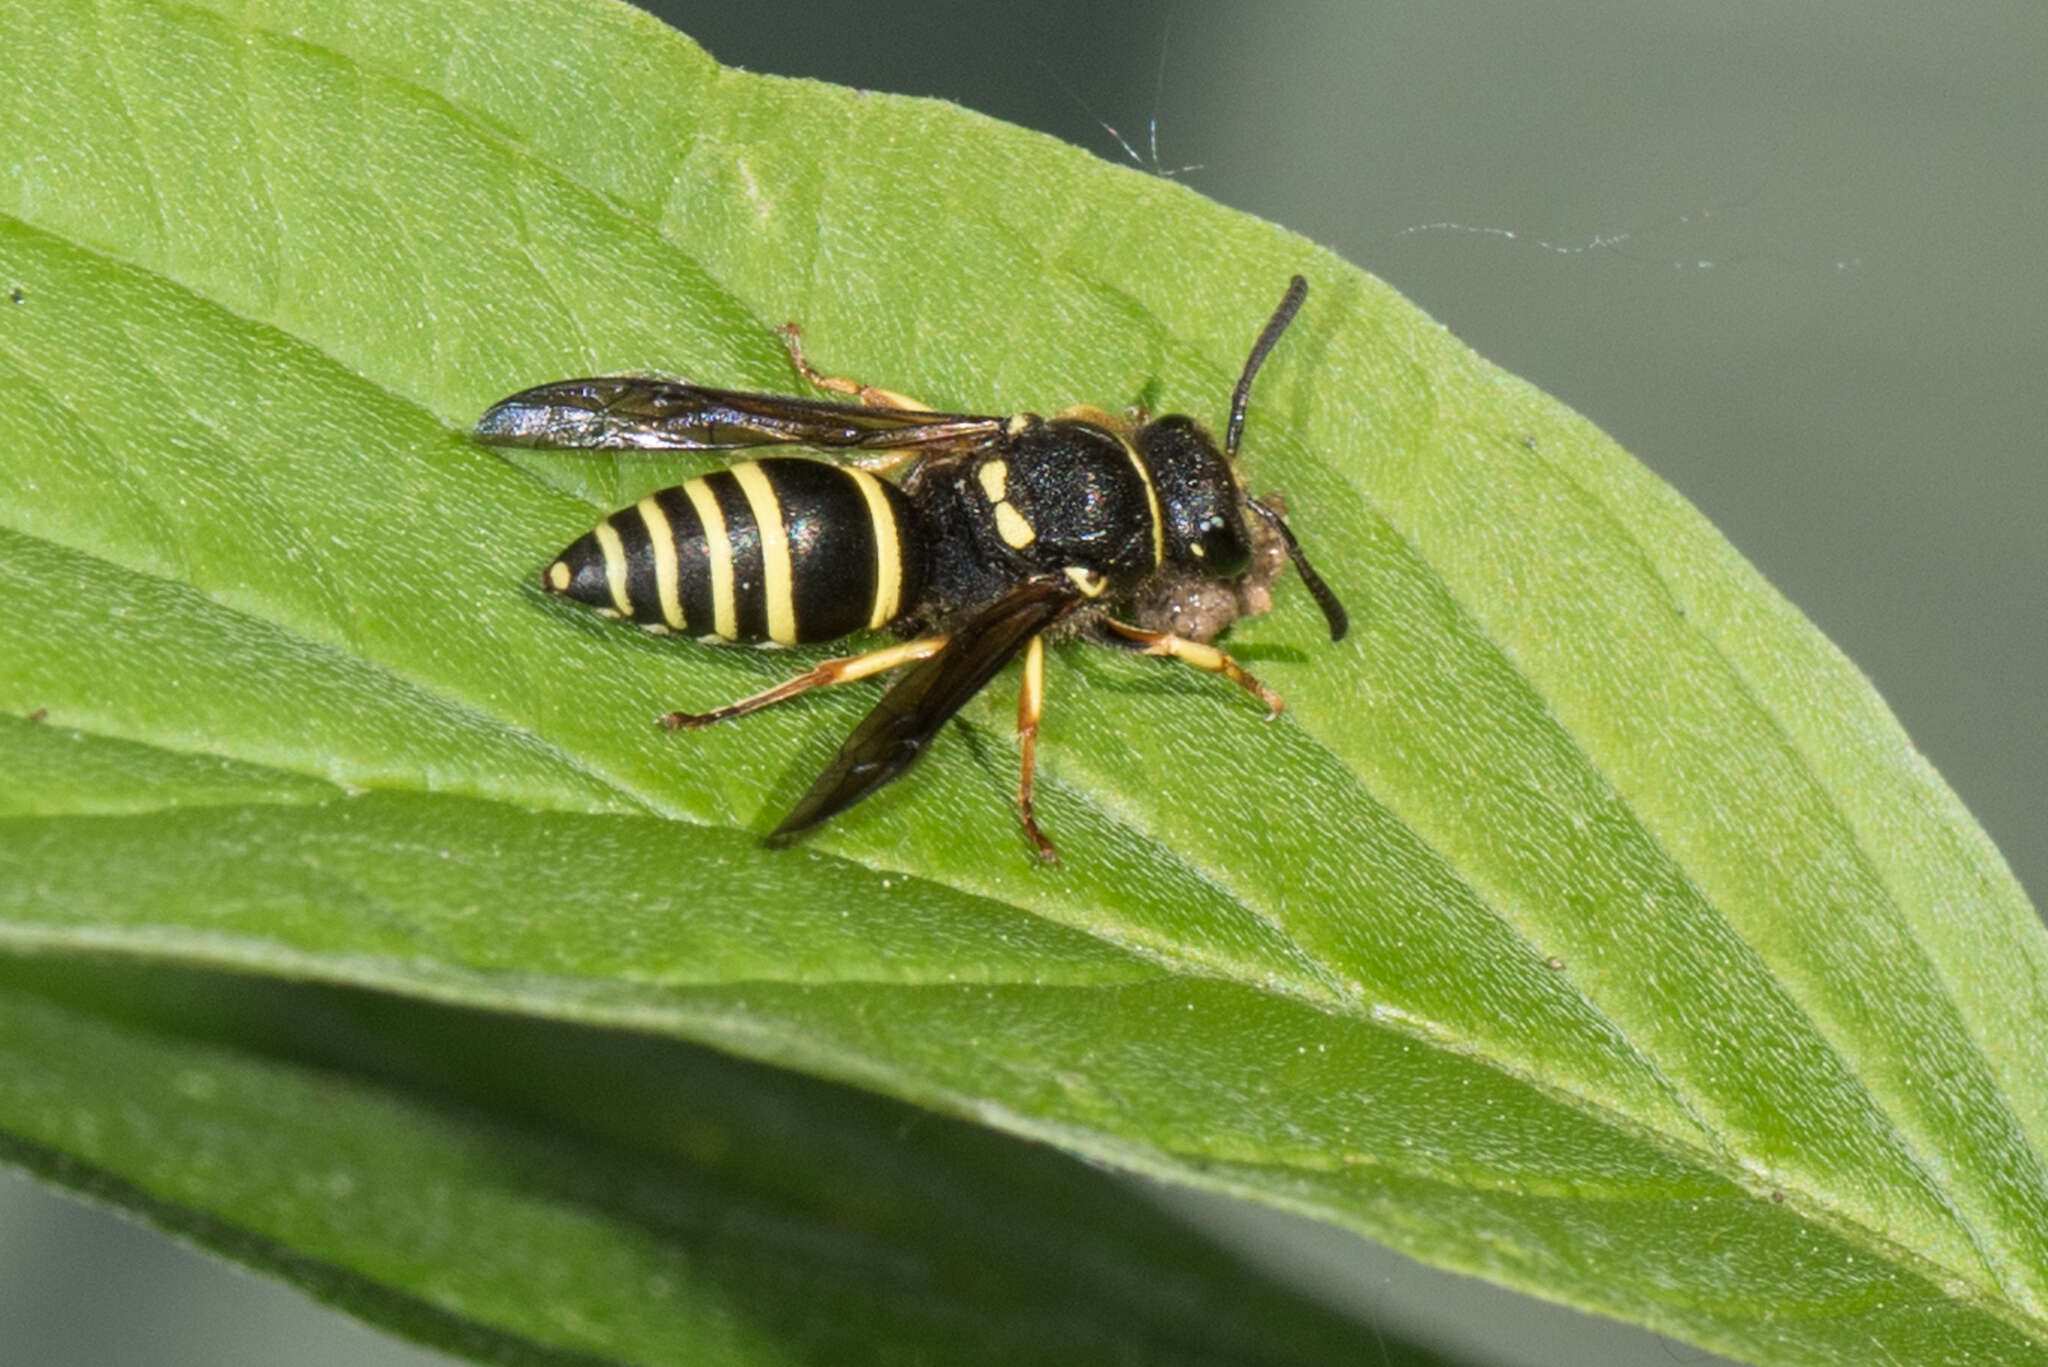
17,295
41,714
1553,963
1778,1197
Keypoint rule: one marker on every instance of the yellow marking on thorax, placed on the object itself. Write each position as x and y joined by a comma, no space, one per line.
559,576
1095,417
614,565
1088,581
775,575
1151,502
888,554
1013,529
725,615
662,538
995,479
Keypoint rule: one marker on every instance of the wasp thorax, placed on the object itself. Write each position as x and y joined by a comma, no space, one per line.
1198,497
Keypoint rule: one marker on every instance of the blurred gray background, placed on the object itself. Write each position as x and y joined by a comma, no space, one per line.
1790,256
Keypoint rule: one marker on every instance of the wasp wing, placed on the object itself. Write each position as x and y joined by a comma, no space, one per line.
890,738
643,413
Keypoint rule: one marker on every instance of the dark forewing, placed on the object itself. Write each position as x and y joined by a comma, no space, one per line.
890,738
641,413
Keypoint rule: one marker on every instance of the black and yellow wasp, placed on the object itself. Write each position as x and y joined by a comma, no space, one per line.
1001,530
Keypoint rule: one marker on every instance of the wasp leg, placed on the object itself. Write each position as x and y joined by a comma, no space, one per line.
792,341
842,670
882,462
1030,706
1201,656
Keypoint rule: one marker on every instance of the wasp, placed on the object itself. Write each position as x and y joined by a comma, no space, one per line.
996,532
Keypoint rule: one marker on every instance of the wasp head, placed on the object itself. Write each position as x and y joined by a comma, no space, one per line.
1199,499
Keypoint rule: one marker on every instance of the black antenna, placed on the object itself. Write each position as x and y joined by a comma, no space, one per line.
1277,324
1333,611
1290,304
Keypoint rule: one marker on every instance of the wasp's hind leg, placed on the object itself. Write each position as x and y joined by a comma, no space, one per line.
1204,657
793,341
842,670
1031,706
883,461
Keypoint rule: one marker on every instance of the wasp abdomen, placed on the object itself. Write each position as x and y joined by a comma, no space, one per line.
782,551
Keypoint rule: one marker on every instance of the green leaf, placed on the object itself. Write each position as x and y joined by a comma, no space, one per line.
536,1193
1587,923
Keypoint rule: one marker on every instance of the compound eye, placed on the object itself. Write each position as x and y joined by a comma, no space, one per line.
1221,547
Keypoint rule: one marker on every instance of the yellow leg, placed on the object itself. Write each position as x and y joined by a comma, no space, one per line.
1203,657
1030,706
842,670
792,340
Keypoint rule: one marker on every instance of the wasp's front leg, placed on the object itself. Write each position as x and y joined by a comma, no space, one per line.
1203,657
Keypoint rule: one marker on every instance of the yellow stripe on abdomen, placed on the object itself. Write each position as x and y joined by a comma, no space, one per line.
662,545
614,565
888,550
775,575
725,617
